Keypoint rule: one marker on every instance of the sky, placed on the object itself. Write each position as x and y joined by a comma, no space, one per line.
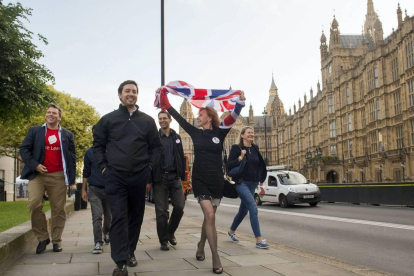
94,45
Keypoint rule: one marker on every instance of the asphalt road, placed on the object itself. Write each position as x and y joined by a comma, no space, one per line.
378,237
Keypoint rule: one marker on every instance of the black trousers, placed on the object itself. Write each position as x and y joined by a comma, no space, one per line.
126,196
169,187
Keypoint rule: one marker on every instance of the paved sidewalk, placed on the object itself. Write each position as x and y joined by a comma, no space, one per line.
237,259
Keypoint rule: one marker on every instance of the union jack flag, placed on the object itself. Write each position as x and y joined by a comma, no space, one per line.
221,100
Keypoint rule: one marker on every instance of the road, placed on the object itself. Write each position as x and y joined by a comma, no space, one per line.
378,237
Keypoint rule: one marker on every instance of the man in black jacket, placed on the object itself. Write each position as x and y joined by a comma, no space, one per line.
48,152
167,178
126,146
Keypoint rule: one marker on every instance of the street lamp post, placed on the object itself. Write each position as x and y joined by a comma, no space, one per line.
347,180
403,168
162,45
264,115
362,175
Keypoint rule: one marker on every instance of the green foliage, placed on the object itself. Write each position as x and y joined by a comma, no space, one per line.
15,213
23,89
78,117
330,159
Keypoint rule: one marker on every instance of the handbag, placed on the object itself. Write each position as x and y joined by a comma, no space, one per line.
237,172
229,189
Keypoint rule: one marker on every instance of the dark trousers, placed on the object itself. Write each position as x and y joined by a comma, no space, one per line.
100,209
170,186
126,196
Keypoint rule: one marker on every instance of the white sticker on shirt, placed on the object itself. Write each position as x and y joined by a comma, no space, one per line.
52,139
177,141
216,140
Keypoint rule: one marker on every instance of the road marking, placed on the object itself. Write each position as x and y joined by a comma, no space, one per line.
355,221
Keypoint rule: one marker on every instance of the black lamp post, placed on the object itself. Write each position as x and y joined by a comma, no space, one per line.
403,168
162,45
318,152
264,115
308,155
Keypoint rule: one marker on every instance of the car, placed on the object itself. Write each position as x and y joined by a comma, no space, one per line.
286,188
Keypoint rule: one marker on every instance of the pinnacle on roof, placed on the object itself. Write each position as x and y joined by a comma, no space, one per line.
323,37
273,85
335,23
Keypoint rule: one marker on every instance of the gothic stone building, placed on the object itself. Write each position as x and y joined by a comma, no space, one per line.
361,119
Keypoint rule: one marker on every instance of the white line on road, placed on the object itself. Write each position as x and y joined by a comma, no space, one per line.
355,221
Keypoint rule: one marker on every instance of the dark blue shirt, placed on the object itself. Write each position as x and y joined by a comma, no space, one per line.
251,170
91,171
167,156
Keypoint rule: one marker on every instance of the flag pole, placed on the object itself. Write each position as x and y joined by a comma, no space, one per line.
162,45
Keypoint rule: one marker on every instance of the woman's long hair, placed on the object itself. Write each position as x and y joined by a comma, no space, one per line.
215,120
241,144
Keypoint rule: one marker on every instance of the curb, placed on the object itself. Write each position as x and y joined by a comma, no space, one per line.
16,240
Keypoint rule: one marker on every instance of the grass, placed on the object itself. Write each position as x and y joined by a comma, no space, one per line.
15,213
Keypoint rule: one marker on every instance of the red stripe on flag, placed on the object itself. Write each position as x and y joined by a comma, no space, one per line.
229,120
200,94
227,105
183,83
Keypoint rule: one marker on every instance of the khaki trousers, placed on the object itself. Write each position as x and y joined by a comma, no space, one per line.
54,184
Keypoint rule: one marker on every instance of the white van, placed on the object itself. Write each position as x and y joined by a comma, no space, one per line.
286,188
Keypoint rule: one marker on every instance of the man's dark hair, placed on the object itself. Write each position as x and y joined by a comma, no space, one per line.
57,107
121,86
165,112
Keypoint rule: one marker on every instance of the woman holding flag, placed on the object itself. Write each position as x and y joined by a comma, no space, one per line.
208,138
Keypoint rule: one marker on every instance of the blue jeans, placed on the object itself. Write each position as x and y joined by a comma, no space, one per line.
248,204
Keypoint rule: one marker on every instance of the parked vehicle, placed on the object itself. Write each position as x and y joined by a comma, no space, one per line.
187,187
286,188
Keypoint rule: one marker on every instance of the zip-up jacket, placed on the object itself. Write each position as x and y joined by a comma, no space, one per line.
126,143
179,160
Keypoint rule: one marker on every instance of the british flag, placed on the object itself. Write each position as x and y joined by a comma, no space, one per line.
219,99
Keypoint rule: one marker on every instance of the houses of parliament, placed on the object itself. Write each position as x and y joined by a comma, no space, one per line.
358,126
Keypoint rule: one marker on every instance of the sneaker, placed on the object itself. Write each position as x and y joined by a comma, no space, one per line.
232,237
262,244
97,249
120,271
131,262
106,238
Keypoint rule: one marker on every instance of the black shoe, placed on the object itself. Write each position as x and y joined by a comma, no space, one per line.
42,246
120,271
106,238
172,239
164,246
57,248
132,262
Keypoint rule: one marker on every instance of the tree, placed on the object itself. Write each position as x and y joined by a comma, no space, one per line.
78,117
23,89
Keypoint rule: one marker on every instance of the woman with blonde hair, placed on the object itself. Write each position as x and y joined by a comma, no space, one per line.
207,175
254,172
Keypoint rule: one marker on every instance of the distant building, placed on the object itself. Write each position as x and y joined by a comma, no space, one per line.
361,117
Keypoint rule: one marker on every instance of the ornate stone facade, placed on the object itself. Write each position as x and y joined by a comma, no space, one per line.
361,118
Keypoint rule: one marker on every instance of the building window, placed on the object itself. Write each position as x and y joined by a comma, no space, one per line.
297,127
348,99
409,53
397,102
298,145
410,85
412,131
394,69
288,132
269,142
372,111
309,120
346,148
376,76
329,69
399,135
332,129
363,120
332,149
378,110
374,141
310,140
350,149
349,122
331,104
361,90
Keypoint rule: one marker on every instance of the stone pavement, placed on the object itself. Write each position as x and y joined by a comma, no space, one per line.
237,259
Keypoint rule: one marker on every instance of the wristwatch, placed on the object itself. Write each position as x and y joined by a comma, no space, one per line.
240,158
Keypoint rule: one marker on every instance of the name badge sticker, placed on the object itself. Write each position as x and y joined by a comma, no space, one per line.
177,141
52,139
216,140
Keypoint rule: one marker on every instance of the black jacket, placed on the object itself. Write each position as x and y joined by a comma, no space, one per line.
178,158
124,143
233,162
32,152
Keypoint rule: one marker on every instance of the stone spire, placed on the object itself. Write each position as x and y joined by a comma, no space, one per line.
273,87
311,93
323,47
371,23
399,15
334,39
186,112
251,118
